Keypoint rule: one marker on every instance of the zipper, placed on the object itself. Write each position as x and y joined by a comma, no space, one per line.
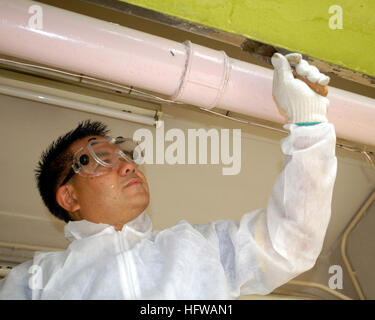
126,257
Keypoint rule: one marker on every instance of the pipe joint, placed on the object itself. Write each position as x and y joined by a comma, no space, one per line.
205,76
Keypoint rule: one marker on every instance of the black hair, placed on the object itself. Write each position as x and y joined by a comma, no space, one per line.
55,161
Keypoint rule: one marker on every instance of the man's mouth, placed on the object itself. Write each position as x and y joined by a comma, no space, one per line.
132,182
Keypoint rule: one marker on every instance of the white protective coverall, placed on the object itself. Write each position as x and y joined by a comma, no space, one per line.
220,260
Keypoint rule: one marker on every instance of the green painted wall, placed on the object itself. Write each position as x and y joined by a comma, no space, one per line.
296,25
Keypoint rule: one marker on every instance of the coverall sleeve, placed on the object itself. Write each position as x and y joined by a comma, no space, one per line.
15,286
269,247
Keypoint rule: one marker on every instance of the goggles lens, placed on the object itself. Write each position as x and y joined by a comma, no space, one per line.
98,157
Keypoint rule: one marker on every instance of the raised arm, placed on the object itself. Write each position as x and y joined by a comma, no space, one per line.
299,208
270,247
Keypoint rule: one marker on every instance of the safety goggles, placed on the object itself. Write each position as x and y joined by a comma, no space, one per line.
99,156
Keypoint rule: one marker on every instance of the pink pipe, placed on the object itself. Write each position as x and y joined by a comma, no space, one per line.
186,72
90,46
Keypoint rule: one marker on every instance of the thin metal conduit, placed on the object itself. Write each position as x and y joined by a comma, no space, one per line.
21,246
319,286
351,226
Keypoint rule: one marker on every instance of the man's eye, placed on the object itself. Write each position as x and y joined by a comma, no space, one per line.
106,159
104,155
128,153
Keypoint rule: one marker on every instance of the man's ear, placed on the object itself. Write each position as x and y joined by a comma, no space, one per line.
66,198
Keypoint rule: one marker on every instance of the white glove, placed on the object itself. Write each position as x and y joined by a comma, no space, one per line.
300,103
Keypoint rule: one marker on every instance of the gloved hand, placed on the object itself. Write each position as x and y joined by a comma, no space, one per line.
301,104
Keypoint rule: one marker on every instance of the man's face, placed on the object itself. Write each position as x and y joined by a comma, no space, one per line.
115,198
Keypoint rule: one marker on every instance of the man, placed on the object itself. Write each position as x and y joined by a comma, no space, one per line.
92,181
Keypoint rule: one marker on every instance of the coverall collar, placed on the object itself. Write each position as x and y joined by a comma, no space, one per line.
139,227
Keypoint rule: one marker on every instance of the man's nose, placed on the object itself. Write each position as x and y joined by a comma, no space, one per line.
126,167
